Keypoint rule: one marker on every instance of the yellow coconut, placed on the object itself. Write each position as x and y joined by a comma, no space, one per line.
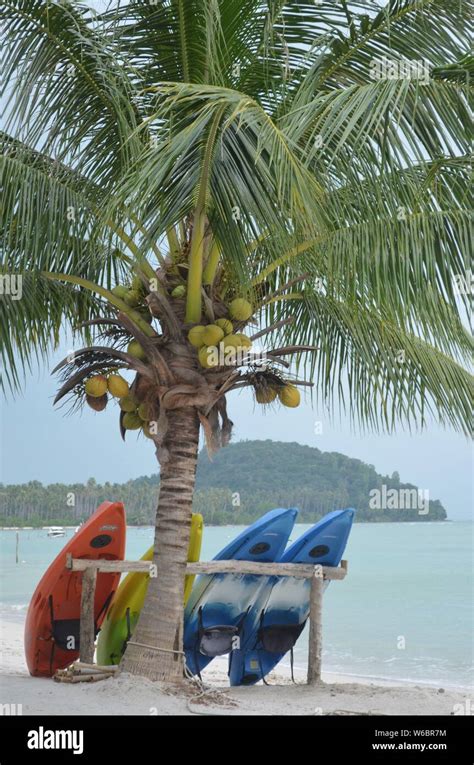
195,336
96,386
232,341
134,349
265,395
244,341
207,357
226,326
117,386
240,309
289,396
131,421
212,334
128,403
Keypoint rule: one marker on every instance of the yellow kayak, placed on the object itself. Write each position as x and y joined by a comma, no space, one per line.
128,602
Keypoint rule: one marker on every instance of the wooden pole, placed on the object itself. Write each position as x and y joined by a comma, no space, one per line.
87,625
298,570
17,543
315,626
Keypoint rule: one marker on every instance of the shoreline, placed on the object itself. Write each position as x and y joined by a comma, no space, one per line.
232,525
127,695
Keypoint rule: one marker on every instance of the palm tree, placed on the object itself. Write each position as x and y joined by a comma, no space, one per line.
309,160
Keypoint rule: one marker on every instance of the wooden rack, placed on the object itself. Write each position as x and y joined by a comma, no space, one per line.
317,574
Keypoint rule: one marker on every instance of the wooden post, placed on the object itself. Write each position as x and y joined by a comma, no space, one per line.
17,543
315,626
87,626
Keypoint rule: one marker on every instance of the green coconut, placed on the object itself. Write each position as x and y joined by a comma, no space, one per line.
128,403
137,285
131,421
195,336
146,427
240,309
120,291
265,395
96,386
117,386
145,315
226,326
289,396
133,298
212,334
145,411
179,291
135,349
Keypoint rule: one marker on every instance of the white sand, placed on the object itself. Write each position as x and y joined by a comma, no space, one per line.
126,695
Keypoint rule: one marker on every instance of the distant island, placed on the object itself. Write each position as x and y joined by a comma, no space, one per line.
243,481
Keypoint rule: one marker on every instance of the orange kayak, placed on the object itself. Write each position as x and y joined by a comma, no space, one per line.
53,619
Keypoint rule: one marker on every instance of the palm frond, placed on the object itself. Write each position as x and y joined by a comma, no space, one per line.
74,99
32,319
380,373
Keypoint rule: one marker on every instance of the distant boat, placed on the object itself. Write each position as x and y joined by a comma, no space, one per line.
56,531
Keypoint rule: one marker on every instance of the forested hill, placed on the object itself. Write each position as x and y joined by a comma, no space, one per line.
244,480
266,474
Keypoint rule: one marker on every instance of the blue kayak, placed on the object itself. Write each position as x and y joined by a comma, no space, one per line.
216,617
283,605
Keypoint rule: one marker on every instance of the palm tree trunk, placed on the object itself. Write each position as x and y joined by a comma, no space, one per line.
160,625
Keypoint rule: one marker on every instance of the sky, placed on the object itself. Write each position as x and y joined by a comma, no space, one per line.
41,442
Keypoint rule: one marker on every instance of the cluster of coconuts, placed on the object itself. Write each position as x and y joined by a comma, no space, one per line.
98,387
136,415
221,333
289,395
134,296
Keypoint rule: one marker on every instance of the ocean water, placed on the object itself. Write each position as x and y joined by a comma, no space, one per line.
405,611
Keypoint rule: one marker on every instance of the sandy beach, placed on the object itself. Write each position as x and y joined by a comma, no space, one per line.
126,695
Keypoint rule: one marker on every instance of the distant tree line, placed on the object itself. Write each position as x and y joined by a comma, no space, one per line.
243,481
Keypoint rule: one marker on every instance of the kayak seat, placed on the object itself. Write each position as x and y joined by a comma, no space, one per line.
217,640
279,638
63,631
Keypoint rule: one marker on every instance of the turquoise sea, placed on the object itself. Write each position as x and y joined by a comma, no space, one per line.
405,610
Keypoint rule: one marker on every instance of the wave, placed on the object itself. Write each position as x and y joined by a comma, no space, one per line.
13,608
